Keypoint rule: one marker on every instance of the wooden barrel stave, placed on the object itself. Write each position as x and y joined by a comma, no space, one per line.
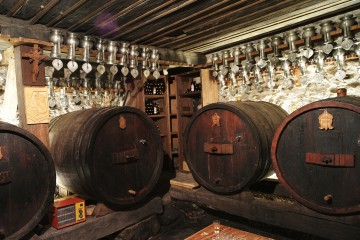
247,128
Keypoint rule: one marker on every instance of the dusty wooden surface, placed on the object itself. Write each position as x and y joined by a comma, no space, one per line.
208,233
96,228
274,210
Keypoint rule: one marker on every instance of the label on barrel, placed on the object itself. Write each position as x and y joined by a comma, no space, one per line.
216,120
326,120
122,122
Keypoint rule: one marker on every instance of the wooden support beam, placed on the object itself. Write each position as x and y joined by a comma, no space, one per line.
66,12
92,15
99,227
190,19
157,16
274,210
218,28
265,25
43,11
117,15
16,7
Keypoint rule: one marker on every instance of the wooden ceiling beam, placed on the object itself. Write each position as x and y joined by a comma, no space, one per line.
156,17
139,18
16,7
227,39
214,30
43,11
92,15
66,12
184,19
117,15
158,39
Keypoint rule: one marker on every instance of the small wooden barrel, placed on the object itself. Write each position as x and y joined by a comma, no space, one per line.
27,181
113,155
227,145
315,153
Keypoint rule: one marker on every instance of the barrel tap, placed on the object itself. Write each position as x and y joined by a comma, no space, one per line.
261,62
225,64
215,66
86,44
326,28
291,37
56,38
357,50
73,42
101,47
145,55
345,24
305,53
112,48
273,60
133,60
319,59
124,58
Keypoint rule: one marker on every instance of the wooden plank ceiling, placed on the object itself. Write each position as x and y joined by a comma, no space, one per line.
190,25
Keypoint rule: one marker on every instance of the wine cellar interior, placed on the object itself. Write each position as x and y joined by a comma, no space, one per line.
180,119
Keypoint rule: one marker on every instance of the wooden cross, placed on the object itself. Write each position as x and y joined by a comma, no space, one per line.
35,58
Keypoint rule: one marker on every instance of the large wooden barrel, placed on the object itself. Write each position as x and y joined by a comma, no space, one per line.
227,145
315,153
113,155
27,181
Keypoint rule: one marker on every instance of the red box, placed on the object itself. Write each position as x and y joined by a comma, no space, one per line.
68,212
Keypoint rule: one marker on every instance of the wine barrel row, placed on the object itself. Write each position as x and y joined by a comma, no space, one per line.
314,150
115,155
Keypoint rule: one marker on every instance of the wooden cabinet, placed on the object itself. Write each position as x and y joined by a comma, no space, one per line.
188,100
156,104
177,103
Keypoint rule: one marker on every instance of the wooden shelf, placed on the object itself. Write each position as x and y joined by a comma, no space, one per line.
157,116
186,114
154,96
191,94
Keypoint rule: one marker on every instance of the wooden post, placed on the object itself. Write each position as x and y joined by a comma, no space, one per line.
40,130
209,88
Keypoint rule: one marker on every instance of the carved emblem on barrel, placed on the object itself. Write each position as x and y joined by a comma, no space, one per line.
326,120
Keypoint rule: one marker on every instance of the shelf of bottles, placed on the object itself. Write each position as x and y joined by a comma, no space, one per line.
154,87
193,91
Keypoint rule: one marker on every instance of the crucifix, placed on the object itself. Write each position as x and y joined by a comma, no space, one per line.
35,58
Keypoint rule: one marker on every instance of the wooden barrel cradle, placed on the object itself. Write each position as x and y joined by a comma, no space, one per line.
227,145
27,181
113,155
315,153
